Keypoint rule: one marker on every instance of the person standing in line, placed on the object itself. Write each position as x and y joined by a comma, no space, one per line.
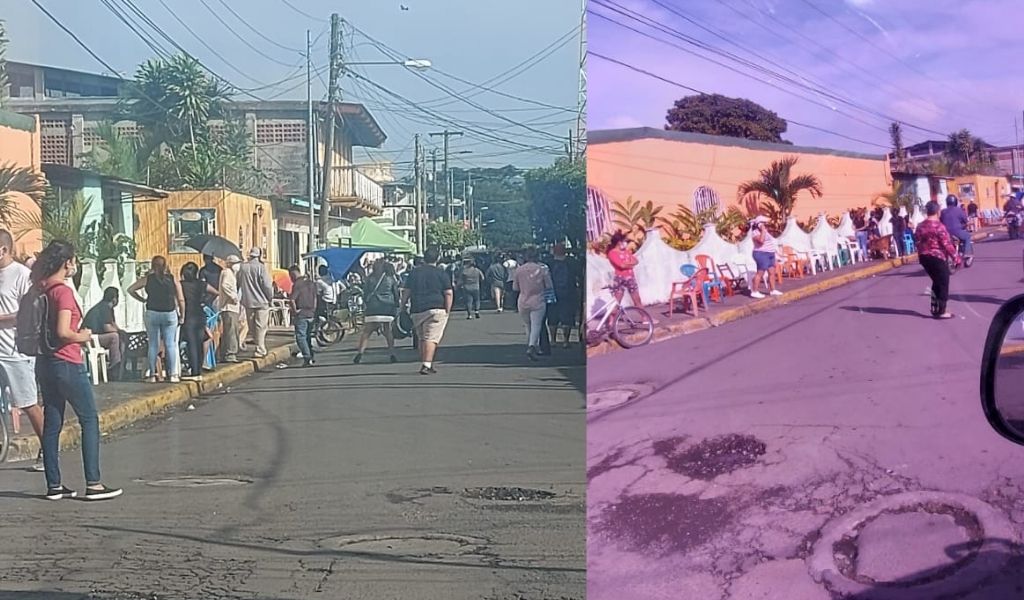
15,282
532,281
430,297
102,322
63,378
228,304
934,246
164,310
899,229
210,274
496,277
764,257
257,292
382,295
470,280
304,307
510,265
193,327
566,280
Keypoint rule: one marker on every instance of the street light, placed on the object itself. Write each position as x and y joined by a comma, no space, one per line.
419,64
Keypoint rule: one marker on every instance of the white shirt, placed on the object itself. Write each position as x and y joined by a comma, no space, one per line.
325,287
14,283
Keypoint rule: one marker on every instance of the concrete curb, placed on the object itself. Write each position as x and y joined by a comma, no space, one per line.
165,396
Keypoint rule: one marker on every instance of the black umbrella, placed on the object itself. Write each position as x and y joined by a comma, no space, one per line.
214,245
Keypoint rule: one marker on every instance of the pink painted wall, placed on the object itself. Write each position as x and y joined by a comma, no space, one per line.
667,172
22,149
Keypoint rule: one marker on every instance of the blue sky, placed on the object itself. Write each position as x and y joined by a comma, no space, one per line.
936,65
468,39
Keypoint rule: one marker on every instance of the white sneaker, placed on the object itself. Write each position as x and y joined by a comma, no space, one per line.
756,295
776,293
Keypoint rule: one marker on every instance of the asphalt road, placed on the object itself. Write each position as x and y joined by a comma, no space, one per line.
335,481
747,440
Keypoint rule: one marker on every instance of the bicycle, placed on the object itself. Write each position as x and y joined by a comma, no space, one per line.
332,326
5,417
621,323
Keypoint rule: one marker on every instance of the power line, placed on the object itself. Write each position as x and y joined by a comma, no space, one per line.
258,32
301,12
78,40
240,37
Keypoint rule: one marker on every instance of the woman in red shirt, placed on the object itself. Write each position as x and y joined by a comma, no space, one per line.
62,375
623,260
934,245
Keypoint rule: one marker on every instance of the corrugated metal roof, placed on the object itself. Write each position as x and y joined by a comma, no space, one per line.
611,136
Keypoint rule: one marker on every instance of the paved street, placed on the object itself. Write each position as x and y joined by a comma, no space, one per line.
749,444
337,481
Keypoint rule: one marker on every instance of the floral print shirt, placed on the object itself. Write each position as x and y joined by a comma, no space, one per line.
932,239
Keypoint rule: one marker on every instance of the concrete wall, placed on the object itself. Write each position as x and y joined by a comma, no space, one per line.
988,190
19,146
667,172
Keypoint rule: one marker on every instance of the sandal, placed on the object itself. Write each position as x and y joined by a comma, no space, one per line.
945,316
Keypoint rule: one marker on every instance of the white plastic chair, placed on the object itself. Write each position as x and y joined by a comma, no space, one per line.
97,357
856,253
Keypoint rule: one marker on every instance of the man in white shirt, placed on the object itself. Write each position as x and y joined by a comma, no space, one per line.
228,303
19,369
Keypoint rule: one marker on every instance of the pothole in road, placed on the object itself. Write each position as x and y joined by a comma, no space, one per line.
663,524
438,545
711,457
195,482
614,397
507,494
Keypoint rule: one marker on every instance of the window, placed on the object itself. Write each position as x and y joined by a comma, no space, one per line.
705,199
966,190
183,225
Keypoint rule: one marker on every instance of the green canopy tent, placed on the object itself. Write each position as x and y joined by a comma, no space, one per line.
366,233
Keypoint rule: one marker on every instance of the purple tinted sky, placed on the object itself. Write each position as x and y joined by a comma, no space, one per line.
935,64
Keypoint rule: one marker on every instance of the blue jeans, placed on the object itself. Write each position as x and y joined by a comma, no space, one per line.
965,237
304,336
61,383
163,327
862,241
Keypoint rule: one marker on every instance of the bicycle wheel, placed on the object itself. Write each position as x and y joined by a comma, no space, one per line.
5,436
331,332
633,327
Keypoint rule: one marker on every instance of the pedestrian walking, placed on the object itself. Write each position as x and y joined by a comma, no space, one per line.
164,311
193,328
417,261
382,296
533,283
256,290
566,280
510,265
430,297
470,280
496,278
228,304
764,257
15,282
62,375
303,306
100,319
934,246
623,261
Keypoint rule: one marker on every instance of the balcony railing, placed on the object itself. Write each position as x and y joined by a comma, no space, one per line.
349,187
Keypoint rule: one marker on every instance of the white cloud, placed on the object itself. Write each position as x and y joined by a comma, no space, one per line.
623,122
860,3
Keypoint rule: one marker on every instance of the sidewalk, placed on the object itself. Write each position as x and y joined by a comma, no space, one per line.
121,404
736,307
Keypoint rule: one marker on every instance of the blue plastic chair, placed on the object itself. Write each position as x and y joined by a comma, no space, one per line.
688,272
908,243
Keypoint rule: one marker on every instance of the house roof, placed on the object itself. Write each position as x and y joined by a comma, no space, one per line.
73,176
17,121
611,136
110,78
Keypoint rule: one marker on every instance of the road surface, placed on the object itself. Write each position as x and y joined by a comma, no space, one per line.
745,443
335,481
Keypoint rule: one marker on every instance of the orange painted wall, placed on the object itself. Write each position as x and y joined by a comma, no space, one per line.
21,148
667,173
988,190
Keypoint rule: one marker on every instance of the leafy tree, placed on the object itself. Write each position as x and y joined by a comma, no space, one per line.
781,186
684,227
60,217
967,154
21,180
446,235
114,154
715,114
899,152
558,202
897,198
631,213
502,205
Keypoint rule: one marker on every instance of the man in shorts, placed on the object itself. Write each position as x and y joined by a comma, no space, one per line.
20,370
429,291
764,257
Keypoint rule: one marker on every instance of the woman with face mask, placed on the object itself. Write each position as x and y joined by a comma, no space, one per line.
62,375
623,261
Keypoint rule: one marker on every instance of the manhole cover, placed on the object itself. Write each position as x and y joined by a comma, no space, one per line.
711,457
913,546
613,397
430,545
197,482
507,494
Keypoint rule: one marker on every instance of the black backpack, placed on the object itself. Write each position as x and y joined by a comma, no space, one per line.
33,336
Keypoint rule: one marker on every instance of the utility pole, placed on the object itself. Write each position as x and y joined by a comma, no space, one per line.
447,174
433,160
418,191
310,152
581,100
333,96
470,209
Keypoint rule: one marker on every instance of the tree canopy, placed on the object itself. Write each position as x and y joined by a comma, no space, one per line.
714,114
558,202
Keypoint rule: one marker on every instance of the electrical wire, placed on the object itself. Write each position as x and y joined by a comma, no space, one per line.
240,37
258,32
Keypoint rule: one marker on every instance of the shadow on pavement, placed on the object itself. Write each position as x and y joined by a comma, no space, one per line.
977,298
880,310
1002,574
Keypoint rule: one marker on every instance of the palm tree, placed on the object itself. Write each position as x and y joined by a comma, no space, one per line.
59,218
779,185
897,198
115,155
22,180
899,152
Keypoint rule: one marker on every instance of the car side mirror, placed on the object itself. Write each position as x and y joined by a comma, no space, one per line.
1002,372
